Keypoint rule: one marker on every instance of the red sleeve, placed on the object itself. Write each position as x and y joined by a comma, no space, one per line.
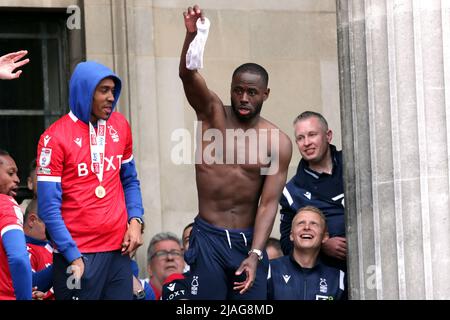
10,214
50,156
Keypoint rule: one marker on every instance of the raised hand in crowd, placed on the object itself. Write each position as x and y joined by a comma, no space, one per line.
10,62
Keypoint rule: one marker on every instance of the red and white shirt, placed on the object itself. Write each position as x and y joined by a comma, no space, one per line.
95,224
41,257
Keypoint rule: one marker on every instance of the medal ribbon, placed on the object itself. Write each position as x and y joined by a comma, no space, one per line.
97,144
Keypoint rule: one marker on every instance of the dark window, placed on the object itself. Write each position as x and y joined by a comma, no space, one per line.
28,105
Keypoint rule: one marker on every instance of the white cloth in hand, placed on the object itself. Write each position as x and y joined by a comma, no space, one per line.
194,55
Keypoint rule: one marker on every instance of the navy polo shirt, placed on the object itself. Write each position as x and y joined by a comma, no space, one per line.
287,280
321,190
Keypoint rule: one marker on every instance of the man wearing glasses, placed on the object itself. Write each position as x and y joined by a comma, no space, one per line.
164,257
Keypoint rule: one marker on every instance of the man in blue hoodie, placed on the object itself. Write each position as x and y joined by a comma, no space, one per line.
88,193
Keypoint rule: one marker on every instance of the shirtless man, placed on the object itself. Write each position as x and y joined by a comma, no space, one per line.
238,200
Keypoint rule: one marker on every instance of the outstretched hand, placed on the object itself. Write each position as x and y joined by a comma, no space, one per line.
191,17
9,62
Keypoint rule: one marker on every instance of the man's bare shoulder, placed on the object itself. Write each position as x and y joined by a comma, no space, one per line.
284,142
266,124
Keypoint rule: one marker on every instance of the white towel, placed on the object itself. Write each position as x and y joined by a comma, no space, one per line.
194,55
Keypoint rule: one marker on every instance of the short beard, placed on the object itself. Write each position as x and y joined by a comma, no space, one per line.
248,117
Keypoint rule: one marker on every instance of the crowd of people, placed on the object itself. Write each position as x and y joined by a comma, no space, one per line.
76,239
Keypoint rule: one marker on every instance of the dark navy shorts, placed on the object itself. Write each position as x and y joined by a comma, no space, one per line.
107,276
214,255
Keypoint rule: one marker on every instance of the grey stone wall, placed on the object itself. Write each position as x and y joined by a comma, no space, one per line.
394,58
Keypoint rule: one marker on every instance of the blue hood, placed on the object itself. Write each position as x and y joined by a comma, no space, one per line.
85,78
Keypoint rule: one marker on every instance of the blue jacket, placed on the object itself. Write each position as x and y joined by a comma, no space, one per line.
287,280
309,188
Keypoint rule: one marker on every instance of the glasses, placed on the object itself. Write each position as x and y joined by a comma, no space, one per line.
163,254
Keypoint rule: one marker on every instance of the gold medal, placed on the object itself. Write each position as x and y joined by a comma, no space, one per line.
100,192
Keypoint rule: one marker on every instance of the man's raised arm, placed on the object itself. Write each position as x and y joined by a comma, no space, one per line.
197,93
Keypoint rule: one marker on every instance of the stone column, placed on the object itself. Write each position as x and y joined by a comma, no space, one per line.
394,66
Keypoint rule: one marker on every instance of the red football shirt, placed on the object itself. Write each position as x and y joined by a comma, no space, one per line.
95,224
41,257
